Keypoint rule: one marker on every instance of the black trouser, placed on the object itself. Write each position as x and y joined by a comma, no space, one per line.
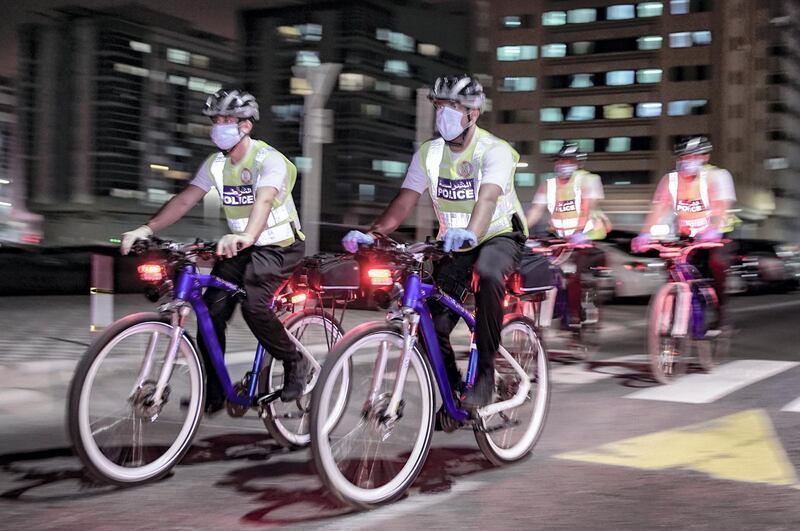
261,271
714,264
585,260
491,263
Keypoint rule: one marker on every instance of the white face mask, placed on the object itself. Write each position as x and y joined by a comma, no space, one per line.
565,170
225,136
448,123
689,166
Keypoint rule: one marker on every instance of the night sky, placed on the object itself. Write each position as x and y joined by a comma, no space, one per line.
214,16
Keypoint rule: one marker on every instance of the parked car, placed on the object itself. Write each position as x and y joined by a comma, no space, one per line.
760,265
635,275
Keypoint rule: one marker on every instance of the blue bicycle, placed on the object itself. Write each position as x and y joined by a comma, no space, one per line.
126,418
371,450
684,314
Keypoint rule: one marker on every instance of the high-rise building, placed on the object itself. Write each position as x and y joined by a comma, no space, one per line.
109,103
628,79
387,50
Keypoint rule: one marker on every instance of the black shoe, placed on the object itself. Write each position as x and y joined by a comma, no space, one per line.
480,394
296,374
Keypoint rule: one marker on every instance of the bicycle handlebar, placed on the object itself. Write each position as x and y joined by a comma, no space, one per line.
680,247
154,243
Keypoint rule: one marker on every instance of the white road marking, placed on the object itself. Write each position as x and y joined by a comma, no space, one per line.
722,381
793,406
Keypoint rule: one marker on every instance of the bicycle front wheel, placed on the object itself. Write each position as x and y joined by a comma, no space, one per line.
365,455
120,432
668,354
512,433
287,422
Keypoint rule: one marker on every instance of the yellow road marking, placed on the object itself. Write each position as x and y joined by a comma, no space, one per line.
738,447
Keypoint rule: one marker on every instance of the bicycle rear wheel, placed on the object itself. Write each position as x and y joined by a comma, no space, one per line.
119,433
287,422
515,431
364,456
668,354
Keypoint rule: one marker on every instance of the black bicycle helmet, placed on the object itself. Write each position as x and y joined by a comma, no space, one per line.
695,145
461,88
232,102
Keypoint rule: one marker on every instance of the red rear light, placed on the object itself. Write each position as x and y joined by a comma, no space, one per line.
151,272
380,277
299,298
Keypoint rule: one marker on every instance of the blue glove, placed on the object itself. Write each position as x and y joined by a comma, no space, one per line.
709,235
640,241
578,238
354,238
455,238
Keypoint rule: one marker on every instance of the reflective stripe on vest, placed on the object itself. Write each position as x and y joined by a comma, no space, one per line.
279,228
567,226
698,224
447,214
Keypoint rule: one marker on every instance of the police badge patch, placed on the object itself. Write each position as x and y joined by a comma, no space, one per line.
465,168
247,177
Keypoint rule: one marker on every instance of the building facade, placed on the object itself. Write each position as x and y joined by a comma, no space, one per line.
627,80
110,106
388,50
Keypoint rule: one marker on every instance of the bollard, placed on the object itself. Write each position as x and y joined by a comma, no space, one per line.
101,291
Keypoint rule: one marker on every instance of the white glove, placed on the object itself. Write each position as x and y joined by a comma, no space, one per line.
131,237
230,244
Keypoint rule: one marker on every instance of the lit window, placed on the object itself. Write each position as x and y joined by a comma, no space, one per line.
620,12
585,144
681,39
701,38
581,16
686,107
648,75
307,58
649,42
547,175
580,112
200,61
366,192
517,84
617,111
395,40
649,9
397,67
390,168
618,144
523,178
299,86
514,21
548,147
353,82
428,50
554,18
289,33
177,80
211,87
180,57
371,110
310,32
648,109
581,47
619,77
132,70
556,49
679,7
581,81
550,114
516,53
140,46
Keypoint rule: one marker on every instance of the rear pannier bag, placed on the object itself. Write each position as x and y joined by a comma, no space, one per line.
534,272
329,272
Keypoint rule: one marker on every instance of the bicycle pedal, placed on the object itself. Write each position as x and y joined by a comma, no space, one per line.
479,426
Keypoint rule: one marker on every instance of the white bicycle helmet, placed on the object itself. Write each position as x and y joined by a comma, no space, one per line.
461,88
232,102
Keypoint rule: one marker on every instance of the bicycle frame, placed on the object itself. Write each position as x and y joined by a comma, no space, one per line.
188,288
417,316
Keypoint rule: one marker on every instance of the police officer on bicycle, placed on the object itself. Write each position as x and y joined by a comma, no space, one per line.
255,183
469,174
571,198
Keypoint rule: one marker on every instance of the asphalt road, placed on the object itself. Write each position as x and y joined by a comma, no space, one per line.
713,451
